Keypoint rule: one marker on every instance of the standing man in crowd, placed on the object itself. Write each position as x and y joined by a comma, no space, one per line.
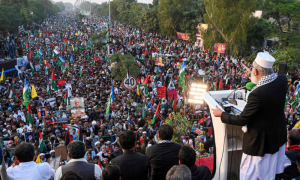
78,164
264,141
187,156
133,166
164,155
28,169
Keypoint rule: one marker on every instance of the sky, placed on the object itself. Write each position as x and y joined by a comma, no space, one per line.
100,1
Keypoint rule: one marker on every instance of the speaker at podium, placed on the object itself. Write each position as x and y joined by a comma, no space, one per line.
228,138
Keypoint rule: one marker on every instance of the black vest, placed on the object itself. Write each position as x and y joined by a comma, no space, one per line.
84,169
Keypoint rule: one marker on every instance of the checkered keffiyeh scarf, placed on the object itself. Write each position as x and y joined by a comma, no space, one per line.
265,80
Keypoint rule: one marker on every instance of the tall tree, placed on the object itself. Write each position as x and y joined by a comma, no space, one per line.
228,21
169,15
149,20
286,15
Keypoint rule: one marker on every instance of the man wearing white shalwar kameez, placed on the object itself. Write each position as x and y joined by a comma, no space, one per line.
264,123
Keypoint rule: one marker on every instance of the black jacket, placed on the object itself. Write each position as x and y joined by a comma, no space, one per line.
200,172
133,166
264,117
291,171
162,158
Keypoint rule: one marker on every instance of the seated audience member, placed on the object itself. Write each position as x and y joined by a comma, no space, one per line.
293,142
133,166
164,155
187,156
111,172
71,175
28,169
179,172
76,152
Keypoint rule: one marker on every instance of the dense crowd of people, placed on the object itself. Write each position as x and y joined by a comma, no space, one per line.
119,136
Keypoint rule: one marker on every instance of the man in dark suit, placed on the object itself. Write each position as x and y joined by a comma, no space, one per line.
78,163
187,156
291,170
133,166
265,137
163,155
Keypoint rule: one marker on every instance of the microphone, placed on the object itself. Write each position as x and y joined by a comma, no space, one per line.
249,86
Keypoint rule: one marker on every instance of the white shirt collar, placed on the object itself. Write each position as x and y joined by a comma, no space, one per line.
27,163
77,160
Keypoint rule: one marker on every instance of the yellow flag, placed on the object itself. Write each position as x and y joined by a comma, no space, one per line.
203,48
33,92
40,34
38,159
176,41
45,62
160,60
119,28
76,34
73,47
137,90
1,78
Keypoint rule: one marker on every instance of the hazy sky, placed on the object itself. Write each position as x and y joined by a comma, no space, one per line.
100,1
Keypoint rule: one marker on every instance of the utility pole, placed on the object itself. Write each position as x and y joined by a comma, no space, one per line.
109,20
90,7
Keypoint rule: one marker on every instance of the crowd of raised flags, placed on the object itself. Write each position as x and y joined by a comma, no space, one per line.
71,56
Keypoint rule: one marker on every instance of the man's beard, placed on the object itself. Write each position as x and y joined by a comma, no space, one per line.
253,78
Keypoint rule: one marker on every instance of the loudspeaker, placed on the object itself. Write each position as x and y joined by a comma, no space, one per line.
282,67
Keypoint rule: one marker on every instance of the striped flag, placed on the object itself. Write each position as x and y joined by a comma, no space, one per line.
25,94
156,114
182,77
60,61
39,54
42,143
53,83
30,117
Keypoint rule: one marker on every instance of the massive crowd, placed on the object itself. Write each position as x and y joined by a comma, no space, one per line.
89,76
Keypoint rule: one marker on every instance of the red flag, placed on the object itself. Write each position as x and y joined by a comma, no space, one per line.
221,84
99,164
145,52
146,79
47,33
53,75
30,55
179,59
174,105
66,41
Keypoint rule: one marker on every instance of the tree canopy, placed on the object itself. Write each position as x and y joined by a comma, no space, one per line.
122,65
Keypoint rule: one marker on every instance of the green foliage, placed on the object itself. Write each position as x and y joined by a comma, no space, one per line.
259,29
149,20
228,21
285,55
192,16
97,40
9,18
251,58
170,13
286,15
102,10
130,17
123,63
15,12
181,127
